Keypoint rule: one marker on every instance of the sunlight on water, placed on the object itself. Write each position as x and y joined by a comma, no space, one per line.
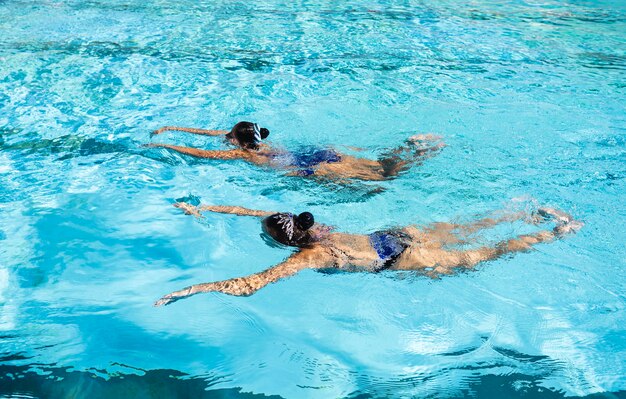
528,95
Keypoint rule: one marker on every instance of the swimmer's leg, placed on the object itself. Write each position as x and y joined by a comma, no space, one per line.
477,225
195,152
454,233
541,215
193,130
470,258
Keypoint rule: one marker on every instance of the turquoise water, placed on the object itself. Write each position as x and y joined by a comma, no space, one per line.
529,96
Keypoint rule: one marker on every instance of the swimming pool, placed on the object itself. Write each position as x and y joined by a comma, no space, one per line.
529,96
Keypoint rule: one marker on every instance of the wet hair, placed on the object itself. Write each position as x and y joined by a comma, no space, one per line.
289,229
248,134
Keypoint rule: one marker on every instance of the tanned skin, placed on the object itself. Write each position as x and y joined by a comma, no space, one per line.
427,252
415,150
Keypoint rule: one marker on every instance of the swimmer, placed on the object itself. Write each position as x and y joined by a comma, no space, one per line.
324,162
408,248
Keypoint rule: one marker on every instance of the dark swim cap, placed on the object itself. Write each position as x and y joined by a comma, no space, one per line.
289,229
305,220
248,134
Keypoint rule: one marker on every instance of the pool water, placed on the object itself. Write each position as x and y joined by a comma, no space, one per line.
530,97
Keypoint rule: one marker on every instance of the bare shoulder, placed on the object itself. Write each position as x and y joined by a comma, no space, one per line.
257,157
310,254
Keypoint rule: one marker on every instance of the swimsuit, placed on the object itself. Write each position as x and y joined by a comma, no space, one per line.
306,160
389,245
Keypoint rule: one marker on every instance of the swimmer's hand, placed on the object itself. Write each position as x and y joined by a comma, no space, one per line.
242,286
248,285
167,299
174,296
188,209
184,293
159,131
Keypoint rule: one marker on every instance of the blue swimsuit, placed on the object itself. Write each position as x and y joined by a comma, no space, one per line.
389,245
306,160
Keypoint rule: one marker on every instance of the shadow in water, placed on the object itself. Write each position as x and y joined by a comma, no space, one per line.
62,382
96,151
73,146
65,147
511,386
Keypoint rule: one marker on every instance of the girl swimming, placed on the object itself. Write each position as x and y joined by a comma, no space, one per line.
326,162
407,248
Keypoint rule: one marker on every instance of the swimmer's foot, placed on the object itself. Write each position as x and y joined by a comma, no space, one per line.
420,138
423,144
570,227
565,222
534,218
558,216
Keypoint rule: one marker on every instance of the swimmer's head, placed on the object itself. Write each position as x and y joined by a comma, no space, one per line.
289,229
248,134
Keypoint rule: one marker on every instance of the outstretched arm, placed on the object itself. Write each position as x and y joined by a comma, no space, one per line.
245,286
235,210
190,130
194,152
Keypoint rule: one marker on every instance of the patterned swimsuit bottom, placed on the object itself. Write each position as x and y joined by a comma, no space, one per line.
389,245
307,160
